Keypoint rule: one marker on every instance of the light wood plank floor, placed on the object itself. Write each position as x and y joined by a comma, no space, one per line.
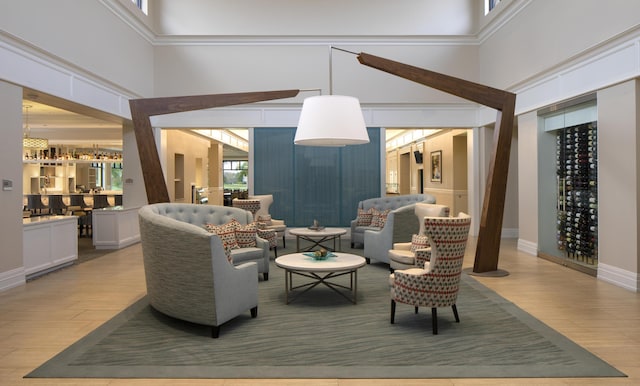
45,316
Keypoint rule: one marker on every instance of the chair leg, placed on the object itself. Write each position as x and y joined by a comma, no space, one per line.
368,260
265,275
215,332
455,313
284,243
434,320
254,312
275,251
416,310
393,311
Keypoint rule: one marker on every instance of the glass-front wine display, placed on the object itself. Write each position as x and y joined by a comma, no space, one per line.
577,182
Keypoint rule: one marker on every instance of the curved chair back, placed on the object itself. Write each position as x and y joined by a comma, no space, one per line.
423,210
448,237
247,204
265,202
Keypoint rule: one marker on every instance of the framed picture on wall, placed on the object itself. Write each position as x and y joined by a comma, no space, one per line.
436,166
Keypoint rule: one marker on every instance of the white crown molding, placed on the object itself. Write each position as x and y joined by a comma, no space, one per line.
166,40
501,19
134,22
124,13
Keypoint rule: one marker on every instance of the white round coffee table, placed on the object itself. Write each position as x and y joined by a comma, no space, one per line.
317,237
320,271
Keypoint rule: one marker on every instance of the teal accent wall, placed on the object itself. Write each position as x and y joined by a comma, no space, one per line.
308,182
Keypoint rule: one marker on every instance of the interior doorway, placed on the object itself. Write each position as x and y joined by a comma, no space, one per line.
404,179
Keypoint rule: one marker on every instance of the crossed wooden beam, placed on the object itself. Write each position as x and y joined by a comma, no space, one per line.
488,243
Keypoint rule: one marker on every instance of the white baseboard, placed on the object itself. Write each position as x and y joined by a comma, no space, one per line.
528,247
117,244
14,278
619,277
509,233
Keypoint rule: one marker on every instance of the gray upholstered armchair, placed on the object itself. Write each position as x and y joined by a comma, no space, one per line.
188,274
417,252
401,223
360,225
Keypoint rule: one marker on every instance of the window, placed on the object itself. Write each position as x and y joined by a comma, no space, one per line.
142,4
98,172
235,174
489,5
116,176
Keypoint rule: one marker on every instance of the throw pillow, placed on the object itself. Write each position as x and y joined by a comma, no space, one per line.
379,218
265,218
246,235
227,234
364,217
419,242
269,235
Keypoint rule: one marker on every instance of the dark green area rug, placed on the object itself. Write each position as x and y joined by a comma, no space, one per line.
322,335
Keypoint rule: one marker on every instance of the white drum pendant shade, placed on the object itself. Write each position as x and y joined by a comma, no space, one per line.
331,120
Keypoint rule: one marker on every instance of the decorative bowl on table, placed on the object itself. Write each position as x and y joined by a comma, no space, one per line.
321,254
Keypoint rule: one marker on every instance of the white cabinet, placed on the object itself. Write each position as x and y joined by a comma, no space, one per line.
115,228
49,242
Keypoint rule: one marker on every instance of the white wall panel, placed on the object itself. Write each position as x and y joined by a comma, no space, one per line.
86,36
324,17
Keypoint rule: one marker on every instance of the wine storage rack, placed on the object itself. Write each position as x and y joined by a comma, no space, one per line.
577,182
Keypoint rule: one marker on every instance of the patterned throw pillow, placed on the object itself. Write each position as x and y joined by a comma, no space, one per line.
227,234
379,218
419,242
269,235
265,219
364,217
246,235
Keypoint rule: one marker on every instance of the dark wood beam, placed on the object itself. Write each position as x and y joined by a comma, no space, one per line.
488,245
143,109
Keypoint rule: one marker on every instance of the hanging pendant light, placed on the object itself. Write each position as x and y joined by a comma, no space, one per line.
331,120
29,142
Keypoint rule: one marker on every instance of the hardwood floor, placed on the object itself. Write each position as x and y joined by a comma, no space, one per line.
46,315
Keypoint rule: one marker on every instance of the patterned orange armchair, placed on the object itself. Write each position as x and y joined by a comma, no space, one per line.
438,283
263,216
254,205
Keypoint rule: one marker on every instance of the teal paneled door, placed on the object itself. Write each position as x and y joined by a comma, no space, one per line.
307,183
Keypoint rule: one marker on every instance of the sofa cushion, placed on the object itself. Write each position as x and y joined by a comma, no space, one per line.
269,235
379,218
227,234
246,235
242,255
419,242
364,217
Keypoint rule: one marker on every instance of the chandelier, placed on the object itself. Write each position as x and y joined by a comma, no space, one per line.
29,142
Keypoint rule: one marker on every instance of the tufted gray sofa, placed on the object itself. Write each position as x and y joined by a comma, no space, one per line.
187,273
400,225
